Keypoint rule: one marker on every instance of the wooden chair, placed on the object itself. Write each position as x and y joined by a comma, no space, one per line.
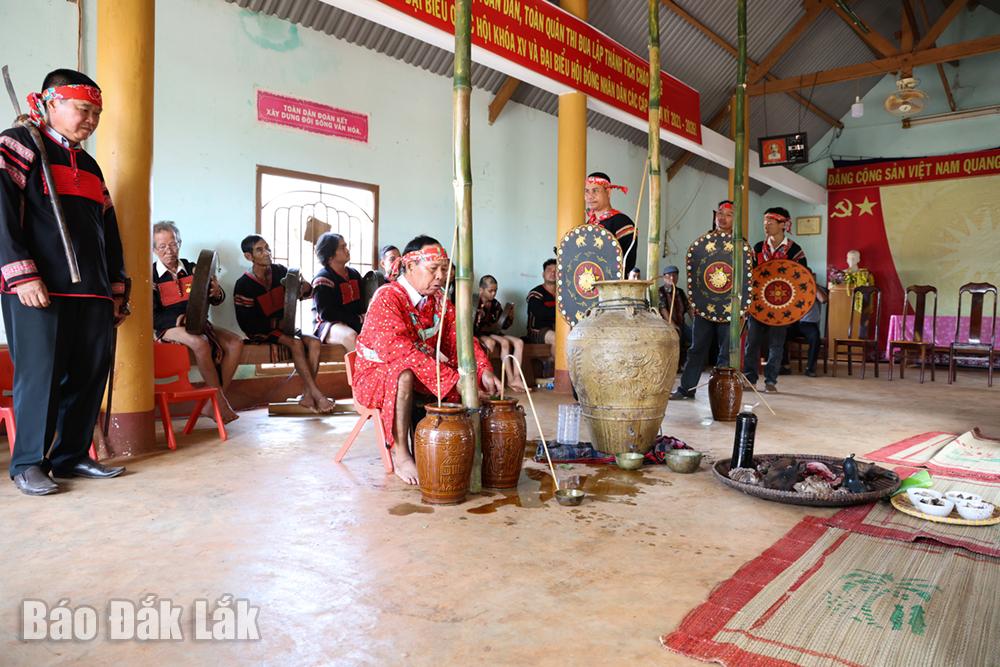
171,360
979,343
915,341
800,344
862,329
365,414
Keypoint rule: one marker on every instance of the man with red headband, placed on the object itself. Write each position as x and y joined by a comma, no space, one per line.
397,347
59,331
704,331
597,198
776,245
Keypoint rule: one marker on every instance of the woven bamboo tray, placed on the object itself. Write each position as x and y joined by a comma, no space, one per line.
903,504
884,486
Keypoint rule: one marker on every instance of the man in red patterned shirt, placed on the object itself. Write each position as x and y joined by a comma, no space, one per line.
397,347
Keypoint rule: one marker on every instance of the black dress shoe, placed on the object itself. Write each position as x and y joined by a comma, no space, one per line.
91,470
681,395
34,482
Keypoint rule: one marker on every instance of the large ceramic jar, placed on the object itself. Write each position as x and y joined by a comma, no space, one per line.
443,445
504,433
622,362
725,394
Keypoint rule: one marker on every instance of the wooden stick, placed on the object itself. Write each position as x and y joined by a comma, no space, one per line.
673,297
538,424
638,207
444,309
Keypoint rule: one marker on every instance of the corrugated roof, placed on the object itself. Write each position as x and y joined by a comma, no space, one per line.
686,53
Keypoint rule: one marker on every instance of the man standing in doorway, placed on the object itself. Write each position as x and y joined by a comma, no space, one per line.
597,198
59,331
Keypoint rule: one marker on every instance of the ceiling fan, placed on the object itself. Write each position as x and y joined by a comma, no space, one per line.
907,100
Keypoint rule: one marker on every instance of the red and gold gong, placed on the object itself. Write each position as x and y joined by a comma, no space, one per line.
782,292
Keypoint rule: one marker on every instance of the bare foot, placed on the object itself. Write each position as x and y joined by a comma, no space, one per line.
404,466
309,403
324,405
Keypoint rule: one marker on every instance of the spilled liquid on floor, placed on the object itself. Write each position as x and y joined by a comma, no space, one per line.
405,509
604,484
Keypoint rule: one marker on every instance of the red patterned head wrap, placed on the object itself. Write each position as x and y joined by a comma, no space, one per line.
37,101
786,223
597,180
431,253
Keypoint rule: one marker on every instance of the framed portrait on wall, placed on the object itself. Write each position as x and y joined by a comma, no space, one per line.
808,224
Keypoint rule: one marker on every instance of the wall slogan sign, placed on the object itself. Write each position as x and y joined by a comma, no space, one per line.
311,116
783,149
540,36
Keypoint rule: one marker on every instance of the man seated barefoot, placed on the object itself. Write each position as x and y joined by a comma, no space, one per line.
217,351
491,320
259,297
397,346
336,292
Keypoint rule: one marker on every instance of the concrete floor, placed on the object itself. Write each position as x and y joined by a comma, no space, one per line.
348,567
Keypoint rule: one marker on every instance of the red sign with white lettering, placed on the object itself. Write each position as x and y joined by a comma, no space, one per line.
311,116
552,42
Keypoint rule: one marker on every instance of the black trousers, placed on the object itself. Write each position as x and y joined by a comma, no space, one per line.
756,335
61,356
702,333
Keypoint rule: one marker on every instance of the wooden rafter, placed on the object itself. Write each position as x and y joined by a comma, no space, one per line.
940,67
947,16
503,96
876,42
967,49
731,50
813,8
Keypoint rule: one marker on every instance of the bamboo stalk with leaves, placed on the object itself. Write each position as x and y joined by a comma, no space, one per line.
462,165
653,246
739,167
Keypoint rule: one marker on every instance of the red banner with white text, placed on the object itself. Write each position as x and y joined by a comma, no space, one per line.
552,42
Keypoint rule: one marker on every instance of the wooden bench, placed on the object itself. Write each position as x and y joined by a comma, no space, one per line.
535,354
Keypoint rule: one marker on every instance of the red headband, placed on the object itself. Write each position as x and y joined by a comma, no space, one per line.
595,180
427,254
777,217
83,92
725,207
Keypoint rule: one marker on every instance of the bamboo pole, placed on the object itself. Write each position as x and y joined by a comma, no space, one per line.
653,245
739,184
463,217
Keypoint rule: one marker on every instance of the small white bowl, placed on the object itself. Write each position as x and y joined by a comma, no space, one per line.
944,509
974,511
916,494
963,496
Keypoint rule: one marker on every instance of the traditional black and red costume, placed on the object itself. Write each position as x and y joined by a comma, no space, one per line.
541,313
261,306
617,223
337,299
400,333
61,353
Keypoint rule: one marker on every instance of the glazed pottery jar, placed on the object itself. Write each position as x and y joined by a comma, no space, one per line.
443,445
504,433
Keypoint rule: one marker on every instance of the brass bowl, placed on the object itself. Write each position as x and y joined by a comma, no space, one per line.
683,460
629,460
570,497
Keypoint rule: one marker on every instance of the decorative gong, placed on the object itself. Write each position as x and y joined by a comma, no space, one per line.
783,292
710,276
586,254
